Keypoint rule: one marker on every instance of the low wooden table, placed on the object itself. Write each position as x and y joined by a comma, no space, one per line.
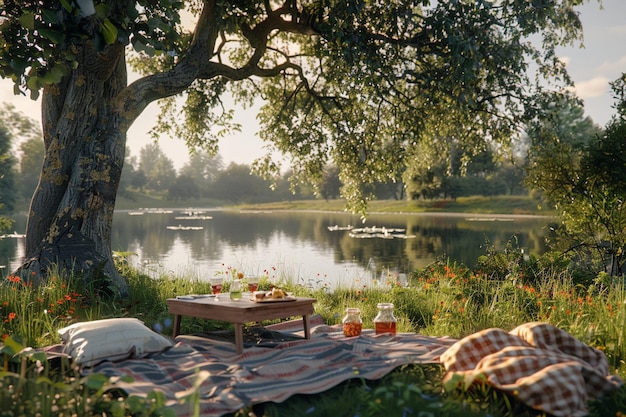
240,312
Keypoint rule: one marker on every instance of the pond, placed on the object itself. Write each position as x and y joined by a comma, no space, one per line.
311,248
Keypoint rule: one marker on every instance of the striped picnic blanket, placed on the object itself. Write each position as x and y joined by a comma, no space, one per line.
539,364
228,381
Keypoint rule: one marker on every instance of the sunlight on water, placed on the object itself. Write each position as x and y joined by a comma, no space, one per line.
314,249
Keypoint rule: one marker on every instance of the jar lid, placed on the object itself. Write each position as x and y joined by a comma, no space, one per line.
385,306
352,310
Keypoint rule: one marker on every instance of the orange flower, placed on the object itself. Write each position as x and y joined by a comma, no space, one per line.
12,316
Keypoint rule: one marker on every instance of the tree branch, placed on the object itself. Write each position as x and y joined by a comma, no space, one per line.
197,64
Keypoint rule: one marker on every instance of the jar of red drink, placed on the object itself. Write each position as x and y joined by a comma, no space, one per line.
352,323
385,321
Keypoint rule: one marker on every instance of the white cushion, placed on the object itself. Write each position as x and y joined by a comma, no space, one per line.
91,342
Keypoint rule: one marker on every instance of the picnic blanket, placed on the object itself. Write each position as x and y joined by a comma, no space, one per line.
539,364
227,381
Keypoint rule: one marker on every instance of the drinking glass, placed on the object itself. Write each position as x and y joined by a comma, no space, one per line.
216,286
253,284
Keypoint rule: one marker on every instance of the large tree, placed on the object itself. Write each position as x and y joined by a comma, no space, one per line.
355,81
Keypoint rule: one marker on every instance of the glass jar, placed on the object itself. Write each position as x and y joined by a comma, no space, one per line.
385,321
352,323
235,290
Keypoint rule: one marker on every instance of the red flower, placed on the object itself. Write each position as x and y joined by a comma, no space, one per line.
12,316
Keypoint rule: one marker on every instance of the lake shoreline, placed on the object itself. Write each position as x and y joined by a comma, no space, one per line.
476,206
404,213
495,205
469,215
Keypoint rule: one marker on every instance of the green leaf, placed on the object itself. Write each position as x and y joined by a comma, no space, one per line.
18,65
96,381
34,95
53,35
55,75
27,20
109,31
66,5
102,10
33,83
50,16
11,346
38,356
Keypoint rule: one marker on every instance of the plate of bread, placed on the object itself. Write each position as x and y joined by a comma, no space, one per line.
273,296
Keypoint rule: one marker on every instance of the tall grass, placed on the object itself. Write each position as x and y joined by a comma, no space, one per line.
444,299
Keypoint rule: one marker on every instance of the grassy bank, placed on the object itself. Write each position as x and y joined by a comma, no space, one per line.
442,299
522,205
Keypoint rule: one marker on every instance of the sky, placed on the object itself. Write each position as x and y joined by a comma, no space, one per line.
601,61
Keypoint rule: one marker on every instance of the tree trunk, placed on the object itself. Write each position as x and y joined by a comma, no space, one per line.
85,120
71,211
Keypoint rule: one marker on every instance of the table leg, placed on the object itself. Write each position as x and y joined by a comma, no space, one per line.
239,337
306,323
176,324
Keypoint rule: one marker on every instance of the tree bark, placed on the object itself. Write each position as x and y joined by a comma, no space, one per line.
71,211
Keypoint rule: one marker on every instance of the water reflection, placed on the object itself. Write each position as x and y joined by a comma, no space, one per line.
299,245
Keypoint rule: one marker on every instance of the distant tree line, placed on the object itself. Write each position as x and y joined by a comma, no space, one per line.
206,177
438,170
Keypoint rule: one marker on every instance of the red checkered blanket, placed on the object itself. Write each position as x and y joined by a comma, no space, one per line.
539,364
227,381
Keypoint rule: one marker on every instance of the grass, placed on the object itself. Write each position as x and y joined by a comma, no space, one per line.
478,205
522,205
443,299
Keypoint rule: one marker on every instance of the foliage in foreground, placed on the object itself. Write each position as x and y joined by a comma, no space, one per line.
443,299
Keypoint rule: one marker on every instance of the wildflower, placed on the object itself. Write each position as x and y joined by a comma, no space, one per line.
13,278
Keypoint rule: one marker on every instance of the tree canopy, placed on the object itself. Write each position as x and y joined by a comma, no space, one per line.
358,82
580,170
